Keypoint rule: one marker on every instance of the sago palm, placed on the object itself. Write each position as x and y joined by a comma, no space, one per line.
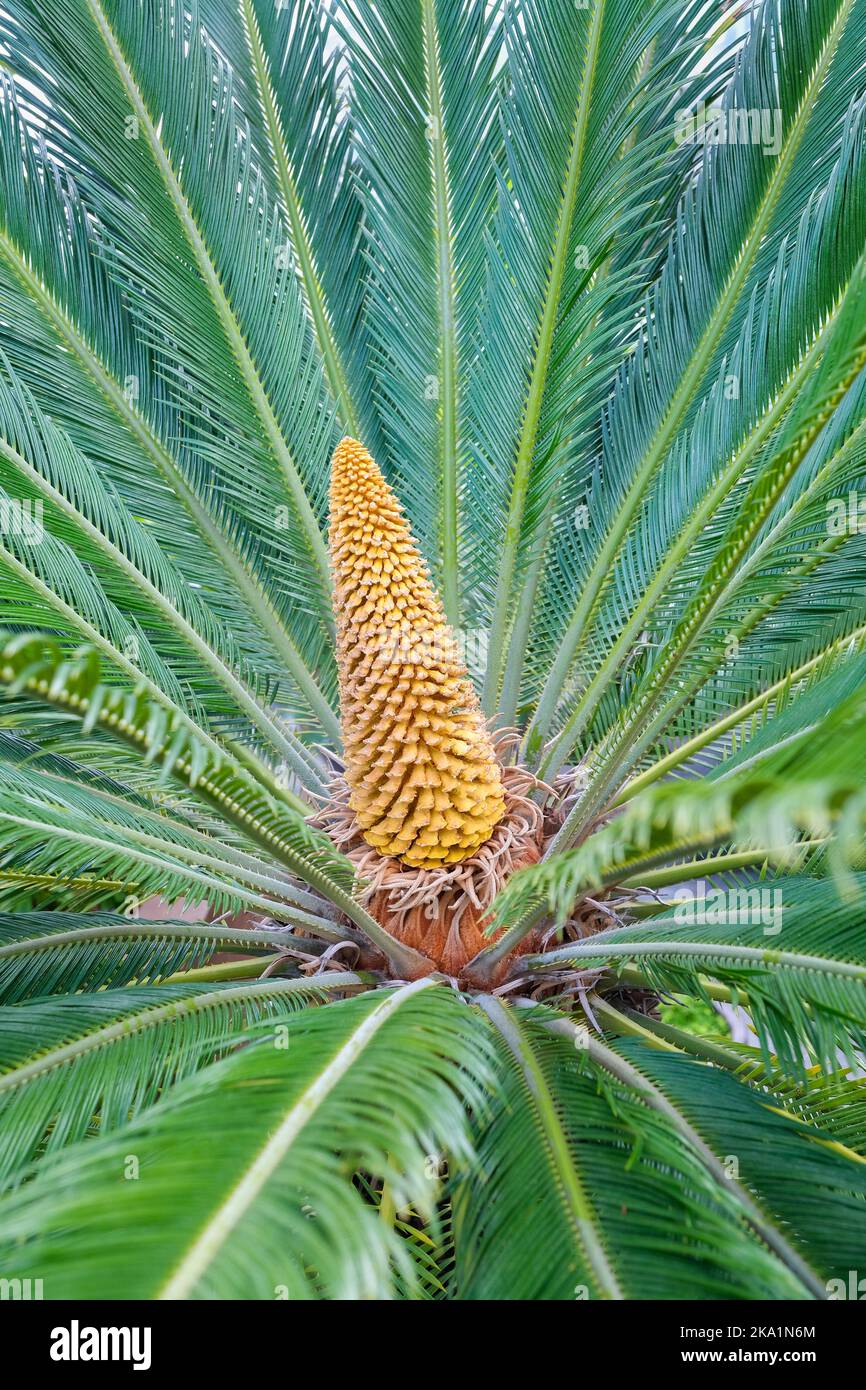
434,600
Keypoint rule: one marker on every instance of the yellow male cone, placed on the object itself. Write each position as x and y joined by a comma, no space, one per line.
423,778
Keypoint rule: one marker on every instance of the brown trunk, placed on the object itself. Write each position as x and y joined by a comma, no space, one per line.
449,938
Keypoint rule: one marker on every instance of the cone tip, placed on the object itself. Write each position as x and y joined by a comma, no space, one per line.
353,467
348,448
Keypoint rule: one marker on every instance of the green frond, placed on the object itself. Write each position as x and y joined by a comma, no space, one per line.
285,67
424,99
35,666
783,338
584,1193
67,953
183,232
803,784
573,95
73,826
86,510
813,1194
305,1115
69,335
833,1103
793,948
722,250
81,1063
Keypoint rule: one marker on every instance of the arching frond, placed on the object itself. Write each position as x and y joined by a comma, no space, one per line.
304,1118
78,1063
69,953
721,251
804,784
570,1203
795,949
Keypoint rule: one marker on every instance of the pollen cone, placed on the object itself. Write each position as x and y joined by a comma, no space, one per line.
424,782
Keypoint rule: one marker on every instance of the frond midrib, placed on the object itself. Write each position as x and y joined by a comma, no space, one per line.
541,363
700,358
447,309
224,309
314,295
218,541
154,1014
762,1221
208,1243
581,1215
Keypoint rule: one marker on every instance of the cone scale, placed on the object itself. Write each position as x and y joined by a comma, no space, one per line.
424,782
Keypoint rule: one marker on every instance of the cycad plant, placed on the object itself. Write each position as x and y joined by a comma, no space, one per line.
434,608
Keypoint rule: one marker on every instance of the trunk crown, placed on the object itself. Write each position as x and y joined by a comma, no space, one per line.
420,765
